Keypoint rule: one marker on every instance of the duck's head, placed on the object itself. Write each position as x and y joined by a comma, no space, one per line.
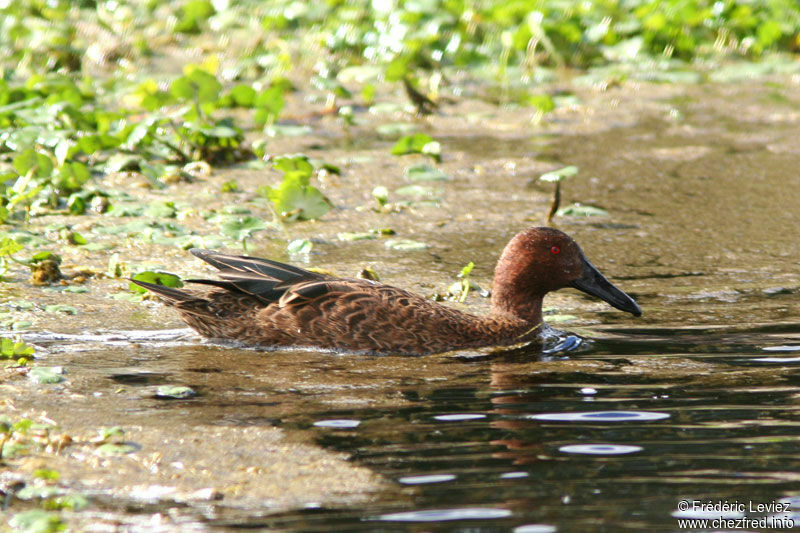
540,260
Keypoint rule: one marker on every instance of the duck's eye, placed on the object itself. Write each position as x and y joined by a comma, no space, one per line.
555,250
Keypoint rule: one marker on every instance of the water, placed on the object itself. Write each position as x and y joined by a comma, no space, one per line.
718,427
690,412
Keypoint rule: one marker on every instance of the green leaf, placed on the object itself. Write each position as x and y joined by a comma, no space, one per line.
295,165
359,236
32,161
467,270
406,245
299,247
425,172
73,502
558,175
9,247
381,194
177,392
10,349
114,448
269,105
578,210
192,14
43,473
37,521
418,143
47,375
158,278
542,102
294,199
61,308
160,209
199,85
72,176
243,95
241,228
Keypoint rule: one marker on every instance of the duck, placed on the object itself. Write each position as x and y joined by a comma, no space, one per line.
274,305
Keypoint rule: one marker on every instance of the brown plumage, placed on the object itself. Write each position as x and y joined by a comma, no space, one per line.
267,303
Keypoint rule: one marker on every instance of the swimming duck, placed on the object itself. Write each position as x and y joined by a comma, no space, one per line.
267,303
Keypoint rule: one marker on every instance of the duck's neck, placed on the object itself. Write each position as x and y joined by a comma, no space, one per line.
519,305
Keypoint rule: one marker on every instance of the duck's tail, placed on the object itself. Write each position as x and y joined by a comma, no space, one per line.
168,294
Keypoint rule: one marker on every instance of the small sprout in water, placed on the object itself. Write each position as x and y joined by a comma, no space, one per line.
369,273
460,289
110,434
556,176
381,195
230,186
43,473
115,266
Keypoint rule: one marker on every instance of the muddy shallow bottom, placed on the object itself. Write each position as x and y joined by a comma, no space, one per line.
696,401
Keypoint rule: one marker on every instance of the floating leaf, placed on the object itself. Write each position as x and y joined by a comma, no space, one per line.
579,210
347,236
425,173
396,130
37,521
47,374
113,448
418,143
299,247
560,174
241,228
160,209
175,392
406,245
73,502
61,308
32,161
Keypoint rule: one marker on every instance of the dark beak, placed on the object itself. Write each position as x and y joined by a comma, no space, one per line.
594,283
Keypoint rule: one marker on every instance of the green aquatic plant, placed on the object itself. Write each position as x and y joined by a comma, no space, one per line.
15,349
295,198
241,228
557,176
418,143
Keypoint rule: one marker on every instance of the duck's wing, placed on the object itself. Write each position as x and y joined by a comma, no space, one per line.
263,279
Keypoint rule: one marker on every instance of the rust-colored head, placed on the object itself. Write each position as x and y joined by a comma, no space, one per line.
540,260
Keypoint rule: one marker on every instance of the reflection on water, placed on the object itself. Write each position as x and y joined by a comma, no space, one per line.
517,444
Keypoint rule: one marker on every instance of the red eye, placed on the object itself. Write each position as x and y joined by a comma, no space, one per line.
555,250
